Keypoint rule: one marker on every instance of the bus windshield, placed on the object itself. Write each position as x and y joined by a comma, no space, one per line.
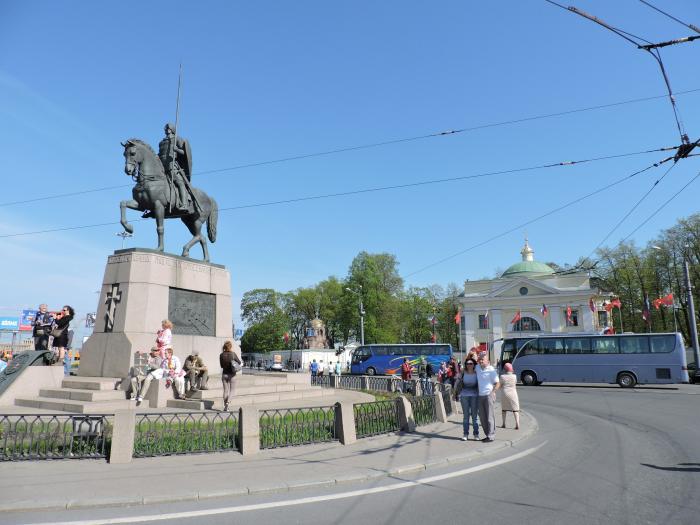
387,359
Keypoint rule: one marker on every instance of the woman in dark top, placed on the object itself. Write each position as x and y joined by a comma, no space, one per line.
227,358
61,321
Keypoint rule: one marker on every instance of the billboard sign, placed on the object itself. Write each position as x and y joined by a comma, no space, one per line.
26,320
10,324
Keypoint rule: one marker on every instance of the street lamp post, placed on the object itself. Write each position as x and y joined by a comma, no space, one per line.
124,236
691,305
362,313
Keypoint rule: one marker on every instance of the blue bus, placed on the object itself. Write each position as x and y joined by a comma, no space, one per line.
626,359
387,359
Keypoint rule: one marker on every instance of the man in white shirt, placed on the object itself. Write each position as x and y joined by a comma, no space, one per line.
487,378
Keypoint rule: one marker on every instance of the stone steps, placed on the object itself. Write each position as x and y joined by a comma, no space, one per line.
78,407
214,398
91,383
76,394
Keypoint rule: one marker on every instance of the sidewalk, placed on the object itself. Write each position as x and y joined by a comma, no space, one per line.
70,484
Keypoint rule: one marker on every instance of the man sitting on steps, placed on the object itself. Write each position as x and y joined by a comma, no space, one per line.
196,373
141,379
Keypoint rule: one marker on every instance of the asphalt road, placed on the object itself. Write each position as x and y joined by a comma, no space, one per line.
602,455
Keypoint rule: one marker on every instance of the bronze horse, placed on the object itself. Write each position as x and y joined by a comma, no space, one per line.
153,193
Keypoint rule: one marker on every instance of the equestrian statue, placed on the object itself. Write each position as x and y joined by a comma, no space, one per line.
163,189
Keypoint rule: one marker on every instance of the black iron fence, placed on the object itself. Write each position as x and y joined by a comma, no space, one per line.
297,426
349,382
167,434
323,381
45,436
379,384
424,410
377,417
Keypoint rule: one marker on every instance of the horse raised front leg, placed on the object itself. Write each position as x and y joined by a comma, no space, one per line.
123,205
159,213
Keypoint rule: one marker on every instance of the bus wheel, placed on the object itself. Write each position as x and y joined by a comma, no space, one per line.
626,380
529,378
371,371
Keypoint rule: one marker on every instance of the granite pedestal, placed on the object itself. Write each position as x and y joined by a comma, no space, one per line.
142,287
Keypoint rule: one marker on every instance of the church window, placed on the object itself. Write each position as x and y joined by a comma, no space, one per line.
526,324
573,321
523,290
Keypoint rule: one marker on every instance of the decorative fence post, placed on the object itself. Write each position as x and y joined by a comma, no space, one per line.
440,409
334,381
345,423
123,436
364,382
406,420
249,430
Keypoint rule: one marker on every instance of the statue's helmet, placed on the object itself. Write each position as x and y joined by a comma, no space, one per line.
170,126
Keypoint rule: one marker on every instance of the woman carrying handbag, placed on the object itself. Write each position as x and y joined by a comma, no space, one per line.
60,332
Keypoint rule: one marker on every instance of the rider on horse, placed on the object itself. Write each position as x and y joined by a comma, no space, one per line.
176,157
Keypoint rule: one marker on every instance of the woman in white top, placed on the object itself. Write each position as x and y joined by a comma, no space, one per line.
509,398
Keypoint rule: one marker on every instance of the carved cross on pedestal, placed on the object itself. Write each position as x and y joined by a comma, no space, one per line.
113,297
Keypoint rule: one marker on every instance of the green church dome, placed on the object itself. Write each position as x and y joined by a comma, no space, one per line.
524,267
528,265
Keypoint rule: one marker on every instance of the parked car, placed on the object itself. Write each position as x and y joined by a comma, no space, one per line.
275,367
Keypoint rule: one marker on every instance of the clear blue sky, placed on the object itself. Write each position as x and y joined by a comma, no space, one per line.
267,80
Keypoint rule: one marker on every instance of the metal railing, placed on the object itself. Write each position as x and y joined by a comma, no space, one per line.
379,384
167,434
297,426
45,436
349,382
323,381
377,417
423,409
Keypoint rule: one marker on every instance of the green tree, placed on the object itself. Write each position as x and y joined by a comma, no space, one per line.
376,275
265,336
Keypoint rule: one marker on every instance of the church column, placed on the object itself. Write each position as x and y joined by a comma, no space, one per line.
556,319
496,324
587,317
471,319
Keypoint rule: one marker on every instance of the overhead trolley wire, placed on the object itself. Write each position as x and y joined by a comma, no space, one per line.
634,207
527,223
692,27
367,190
650,47
365,146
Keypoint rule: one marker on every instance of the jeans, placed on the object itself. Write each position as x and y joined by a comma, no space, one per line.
469,409
67,362
227,380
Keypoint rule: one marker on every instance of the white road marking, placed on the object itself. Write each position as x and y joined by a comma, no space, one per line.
300,501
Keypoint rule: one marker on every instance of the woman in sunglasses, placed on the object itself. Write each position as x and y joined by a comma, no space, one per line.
467,393
60,332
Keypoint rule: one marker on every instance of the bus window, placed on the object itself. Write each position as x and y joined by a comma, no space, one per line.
604,345
443,350
551,345
381,350
529,348
576,345
634,345
662,344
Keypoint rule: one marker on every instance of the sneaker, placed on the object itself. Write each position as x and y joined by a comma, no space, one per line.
487,440
139,399
465,438
476,437
132,398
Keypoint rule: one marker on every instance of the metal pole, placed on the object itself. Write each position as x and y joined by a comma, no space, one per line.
691,304
362,320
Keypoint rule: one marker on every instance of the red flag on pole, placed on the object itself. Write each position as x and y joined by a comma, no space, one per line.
457,316
591,305
286,337
616,303
516,317
544,310
568,315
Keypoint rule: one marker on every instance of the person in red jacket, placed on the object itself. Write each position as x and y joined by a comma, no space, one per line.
406,370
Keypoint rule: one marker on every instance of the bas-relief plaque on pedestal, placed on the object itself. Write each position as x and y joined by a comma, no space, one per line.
192,313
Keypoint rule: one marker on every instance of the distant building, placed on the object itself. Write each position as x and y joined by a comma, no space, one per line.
529,298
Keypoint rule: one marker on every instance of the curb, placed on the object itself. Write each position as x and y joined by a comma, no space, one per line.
23,506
